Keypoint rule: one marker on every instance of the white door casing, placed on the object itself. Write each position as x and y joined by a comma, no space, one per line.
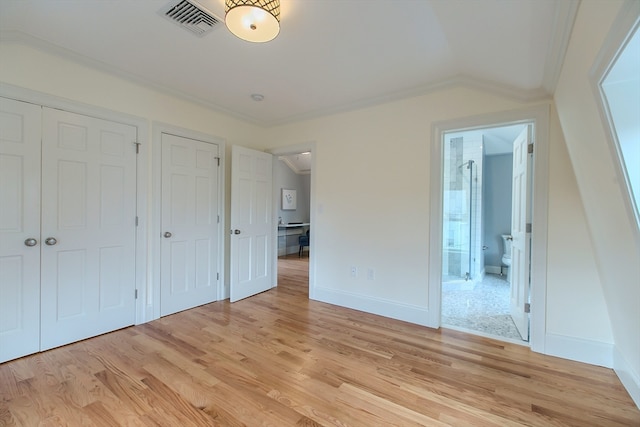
520,245
189,223
251,222
20,133
89,208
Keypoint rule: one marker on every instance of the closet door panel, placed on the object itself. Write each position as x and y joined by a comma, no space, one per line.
88,208
189,214
20,125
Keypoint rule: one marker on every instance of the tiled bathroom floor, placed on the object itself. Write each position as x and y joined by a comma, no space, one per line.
481,306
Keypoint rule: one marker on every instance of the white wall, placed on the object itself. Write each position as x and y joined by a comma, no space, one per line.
574,285
372,195
610,225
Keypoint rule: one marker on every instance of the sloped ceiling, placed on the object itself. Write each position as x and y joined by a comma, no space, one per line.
330,55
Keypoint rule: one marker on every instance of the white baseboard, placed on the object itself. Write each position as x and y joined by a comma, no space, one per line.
492,269
381,307
629,379
587,351
595,353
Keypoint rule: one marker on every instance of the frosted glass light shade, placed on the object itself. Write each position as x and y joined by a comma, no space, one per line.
253,20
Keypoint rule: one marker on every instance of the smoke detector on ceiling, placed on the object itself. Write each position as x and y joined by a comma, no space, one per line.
191,16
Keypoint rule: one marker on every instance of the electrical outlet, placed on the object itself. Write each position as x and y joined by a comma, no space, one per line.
371,274
354,271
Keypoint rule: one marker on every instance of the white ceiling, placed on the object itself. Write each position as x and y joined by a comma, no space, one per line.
330,55
299,163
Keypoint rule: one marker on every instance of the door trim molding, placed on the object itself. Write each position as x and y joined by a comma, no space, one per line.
539,115
152,299
38,98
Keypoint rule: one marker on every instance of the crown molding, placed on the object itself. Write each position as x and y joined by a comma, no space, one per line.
19,37
507,91
293,167
510,92
564,19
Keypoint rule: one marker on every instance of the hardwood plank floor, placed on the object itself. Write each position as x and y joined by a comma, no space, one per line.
279,359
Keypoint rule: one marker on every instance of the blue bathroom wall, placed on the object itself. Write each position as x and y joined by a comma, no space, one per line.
496,206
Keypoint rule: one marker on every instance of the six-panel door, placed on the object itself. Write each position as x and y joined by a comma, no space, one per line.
19,228
189,218
88,227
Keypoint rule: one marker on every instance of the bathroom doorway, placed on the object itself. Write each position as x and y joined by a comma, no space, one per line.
480,209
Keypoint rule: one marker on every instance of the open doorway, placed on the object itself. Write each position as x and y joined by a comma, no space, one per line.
292,172
483,207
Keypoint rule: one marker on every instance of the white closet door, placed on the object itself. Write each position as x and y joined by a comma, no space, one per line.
20,125
88,227
189,248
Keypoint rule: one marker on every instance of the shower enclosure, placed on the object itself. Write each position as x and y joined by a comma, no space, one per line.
461,209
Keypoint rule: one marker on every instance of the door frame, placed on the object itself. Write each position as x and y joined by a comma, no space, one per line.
152,299
539,115
281,151
38,98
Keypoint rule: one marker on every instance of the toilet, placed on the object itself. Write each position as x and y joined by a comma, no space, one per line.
506,256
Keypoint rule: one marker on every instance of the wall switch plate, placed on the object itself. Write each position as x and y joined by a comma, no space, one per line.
354,271
371,274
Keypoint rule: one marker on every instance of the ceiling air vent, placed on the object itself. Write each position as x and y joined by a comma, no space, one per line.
191,16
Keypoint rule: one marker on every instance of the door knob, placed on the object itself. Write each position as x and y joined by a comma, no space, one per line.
50,241
236,231
30,242
167,234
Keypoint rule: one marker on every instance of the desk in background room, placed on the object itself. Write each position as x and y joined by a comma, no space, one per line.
288,237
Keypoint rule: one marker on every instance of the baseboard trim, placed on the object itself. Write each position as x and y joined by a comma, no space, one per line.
580,350
493,269
379,306
629,379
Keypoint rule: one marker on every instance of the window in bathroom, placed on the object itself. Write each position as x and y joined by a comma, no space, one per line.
618,84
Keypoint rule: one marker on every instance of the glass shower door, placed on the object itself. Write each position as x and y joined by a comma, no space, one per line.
459,232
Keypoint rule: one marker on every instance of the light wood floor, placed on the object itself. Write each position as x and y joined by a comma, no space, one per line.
279,359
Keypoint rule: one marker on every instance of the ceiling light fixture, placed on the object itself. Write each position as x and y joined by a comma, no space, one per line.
253,20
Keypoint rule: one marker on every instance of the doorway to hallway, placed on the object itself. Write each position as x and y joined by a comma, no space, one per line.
293,169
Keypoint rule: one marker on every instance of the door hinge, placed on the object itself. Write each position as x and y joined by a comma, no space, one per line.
136,221
217,276
528,227
530,149
136,294
527,307
137,144
218,219
218,159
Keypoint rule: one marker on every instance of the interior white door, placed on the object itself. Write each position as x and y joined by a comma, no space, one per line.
190,231
520,245
20,130
88,227
251,222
